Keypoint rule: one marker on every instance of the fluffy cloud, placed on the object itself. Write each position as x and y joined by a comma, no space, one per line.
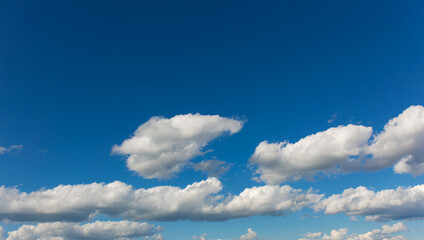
161,147
346,149
250,235
320,152
10,149
106,230
199,201
385,205
376,234
213,168
400,143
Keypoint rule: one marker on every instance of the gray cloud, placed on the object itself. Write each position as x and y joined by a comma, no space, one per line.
213,168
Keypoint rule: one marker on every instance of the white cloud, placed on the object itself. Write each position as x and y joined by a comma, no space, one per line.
214,168
199,201
320,152
346,149
377,234
102,230
10,149
400,143
161,147
250,235
384,205
201,237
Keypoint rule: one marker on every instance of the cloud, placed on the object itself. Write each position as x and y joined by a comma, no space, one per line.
102,230
345,149
201,237
2,233
161,147
199,201
376,234
214,168
384,205
400,143
13,148
250,235
320,152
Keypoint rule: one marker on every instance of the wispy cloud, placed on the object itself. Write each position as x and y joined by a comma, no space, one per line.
13,148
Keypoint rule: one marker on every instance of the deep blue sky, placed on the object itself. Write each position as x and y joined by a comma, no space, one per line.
77,77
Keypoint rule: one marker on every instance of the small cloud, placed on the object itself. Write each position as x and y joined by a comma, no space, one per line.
332,118
45,150
214,168
11,149
354,219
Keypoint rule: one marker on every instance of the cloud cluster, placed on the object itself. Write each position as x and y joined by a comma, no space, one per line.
101,230
384,205
12,148
198,201
213,168
346,149
400,143
323,151
161,147
385,233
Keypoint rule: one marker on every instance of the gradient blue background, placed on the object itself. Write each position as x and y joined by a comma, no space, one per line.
77,77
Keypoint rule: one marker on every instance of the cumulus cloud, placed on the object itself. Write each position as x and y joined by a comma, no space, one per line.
320,152
214,168
384,205
161,147
377,234
250,235
199,201
346,149
400,143
102,230
12,148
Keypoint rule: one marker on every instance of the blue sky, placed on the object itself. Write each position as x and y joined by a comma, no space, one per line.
78,78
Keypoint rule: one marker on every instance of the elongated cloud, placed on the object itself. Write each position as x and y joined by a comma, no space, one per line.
107,230
161,147
384,205
320,152
385,233
400,143
346,149
199,201
250,235
10,149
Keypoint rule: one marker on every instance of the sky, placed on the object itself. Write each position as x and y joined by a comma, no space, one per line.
242,120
